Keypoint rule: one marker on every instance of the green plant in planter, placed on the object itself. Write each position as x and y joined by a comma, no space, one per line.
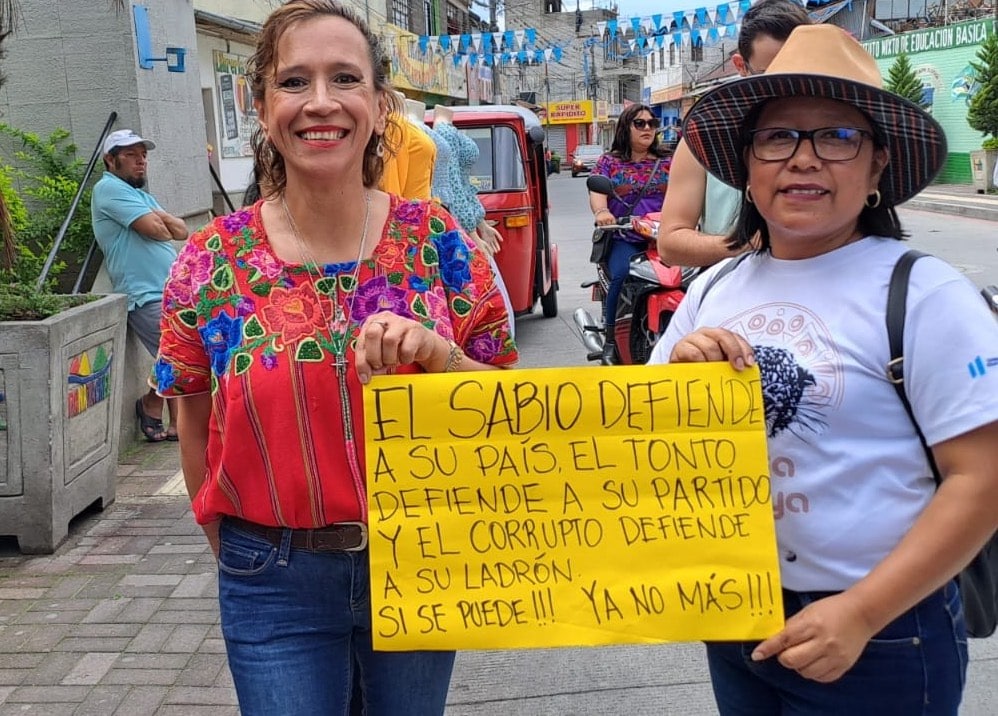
36,196
982,114
38,193
19,302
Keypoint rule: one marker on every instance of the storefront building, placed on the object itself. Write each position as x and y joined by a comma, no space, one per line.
569,124
941,57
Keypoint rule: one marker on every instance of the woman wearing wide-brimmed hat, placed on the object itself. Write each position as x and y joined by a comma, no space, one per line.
868,555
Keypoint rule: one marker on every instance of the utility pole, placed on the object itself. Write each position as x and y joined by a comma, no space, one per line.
496,67
593,92
547,97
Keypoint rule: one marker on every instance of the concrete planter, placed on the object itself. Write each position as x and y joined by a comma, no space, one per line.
982,167
61,387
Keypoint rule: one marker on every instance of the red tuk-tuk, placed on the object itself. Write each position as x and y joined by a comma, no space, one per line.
511,179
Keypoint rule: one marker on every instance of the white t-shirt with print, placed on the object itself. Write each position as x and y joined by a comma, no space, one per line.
849,476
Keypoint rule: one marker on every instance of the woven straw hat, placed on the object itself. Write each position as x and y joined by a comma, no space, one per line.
819,61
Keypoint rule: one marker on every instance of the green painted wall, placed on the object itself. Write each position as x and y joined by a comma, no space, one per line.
941,58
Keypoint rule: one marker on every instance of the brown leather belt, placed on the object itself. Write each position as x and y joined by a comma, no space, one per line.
339,537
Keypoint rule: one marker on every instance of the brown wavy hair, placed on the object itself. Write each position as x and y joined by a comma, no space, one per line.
268,164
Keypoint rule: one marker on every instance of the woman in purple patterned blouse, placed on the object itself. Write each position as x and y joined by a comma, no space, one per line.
633,157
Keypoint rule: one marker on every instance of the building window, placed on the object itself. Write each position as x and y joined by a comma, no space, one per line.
552,6
455,25
430,25
672,54
400,13
652,58
696,51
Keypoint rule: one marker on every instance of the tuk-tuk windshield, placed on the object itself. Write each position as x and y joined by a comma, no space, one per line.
500,162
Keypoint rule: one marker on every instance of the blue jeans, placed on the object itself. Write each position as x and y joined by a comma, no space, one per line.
916,666
618,264
297,623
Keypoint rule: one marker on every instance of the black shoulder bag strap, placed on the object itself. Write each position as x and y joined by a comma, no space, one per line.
897,297
979,579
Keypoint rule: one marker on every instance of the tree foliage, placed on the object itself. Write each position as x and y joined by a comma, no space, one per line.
902,81
982,114
38,191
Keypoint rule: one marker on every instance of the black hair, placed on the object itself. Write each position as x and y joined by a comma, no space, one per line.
879,220
252,194
770,18
621,146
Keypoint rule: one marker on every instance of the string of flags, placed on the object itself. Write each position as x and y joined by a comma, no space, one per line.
636,35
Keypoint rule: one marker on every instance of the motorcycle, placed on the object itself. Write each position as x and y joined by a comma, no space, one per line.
649,296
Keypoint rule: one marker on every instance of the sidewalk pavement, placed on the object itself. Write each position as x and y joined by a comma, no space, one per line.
956,199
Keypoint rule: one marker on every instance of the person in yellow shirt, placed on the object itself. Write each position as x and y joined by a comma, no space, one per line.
409,169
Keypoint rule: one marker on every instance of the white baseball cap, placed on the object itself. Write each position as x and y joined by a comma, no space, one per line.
125,138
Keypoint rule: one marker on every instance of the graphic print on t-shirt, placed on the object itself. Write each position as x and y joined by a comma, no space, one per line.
799,364
784,386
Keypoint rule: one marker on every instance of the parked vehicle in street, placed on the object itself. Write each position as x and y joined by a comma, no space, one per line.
511,178
584,158
648,299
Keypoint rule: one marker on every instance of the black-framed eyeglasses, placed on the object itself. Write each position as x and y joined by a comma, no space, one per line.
831,144
649,123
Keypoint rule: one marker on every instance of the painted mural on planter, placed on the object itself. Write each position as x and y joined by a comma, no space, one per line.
88,399
89,380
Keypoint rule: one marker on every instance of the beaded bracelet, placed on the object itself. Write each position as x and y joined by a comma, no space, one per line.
454,358
600,211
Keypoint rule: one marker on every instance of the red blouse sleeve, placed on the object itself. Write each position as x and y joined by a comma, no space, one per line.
482,326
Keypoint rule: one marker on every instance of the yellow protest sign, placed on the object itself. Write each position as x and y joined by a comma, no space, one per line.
568,507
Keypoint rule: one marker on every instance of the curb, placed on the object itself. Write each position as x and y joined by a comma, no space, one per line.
954,208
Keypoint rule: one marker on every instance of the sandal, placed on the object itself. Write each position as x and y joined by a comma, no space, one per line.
151,427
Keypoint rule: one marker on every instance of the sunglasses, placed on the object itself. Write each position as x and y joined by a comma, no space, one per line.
645,123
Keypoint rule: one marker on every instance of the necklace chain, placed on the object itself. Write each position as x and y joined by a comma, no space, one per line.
339,323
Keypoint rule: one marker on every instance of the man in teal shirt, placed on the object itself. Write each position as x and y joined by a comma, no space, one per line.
134,232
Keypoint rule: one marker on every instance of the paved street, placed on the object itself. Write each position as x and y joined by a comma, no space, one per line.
123,618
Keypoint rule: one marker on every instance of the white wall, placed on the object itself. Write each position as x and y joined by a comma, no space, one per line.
233,172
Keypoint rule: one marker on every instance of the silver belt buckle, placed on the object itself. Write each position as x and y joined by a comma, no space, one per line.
363,536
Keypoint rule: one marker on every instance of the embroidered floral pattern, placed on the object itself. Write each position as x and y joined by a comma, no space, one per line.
453,259
296,313
234,222
231,304
266,263
220,336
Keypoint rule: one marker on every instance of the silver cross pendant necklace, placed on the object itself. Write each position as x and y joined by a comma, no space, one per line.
340,323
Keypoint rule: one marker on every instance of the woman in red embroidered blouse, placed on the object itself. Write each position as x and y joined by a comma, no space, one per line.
274,318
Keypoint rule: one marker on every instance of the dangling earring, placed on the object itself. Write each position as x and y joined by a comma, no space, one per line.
876,200
748,193
379,148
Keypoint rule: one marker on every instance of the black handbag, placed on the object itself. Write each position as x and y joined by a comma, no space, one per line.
979,580
601,247
602,240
